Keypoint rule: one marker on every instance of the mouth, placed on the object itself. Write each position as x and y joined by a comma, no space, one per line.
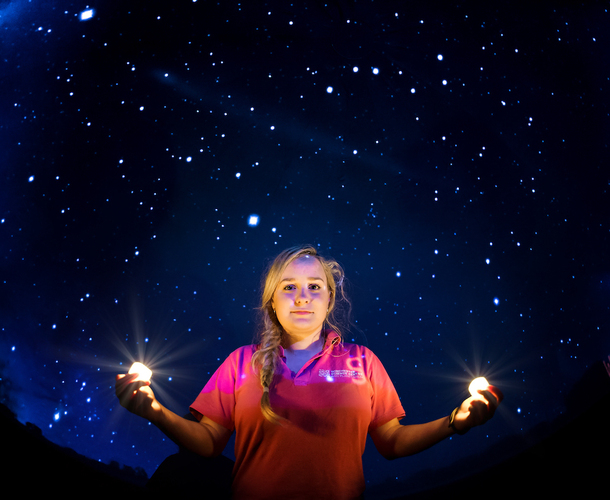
302,313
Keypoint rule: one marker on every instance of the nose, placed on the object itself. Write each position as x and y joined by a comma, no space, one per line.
302,296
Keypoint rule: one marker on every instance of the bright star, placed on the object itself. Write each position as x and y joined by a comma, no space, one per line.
85,15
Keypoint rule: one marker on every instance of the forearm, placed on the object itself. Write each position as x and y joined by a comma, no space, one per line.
186,433
411,439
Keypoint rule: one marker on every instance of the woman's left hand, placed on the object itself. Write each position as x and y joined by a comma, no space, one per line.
476,410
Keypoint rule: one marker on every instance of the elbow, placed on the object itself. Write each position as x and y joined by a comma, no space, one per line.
393,455
388,453
394,450
202,451
386,440
216,451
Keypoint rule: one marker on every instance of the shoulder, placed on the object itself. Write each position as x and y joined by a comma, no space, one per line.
246,349
242,352
339,346
355,349
239,357
370,361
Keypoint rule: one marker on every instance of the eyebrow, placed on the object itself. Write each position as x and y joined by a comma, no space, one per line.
311,278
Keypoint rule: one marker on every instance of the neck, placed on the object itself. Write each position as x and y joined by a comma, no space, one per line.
313,342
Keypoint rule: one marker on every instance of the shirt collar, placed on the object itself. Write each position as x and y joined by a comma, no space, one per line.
332,339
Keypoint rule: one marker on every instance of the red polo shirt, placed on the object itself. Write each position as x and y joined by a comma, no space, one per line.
331,403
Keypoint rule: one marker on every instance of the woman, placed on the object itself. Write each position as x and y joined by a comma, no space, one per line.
301,401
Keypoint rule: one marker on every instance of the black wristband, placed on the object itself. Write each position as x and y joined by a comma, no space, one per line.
452,423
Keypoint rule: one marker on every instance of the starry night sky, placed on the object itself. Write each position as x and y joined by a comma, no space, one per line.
453,158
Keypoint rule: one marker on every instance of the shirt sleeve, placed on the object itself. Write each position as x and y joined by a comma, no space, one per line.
217,399
385,403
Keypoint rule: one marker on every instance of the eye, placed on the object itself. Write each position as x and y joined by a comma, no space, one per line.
315,286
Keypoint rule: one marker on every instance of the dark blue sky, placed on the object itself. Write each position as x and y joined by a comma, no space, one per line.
452,157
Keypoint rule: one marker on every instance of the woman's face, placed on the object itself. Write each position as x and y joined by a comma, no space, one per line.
301,299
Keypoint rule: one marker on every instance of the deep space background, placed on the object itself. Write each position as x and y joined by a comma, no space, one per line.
155,156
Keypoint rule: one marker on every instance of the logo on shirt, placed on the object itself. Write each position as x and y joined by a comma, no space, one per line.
331,375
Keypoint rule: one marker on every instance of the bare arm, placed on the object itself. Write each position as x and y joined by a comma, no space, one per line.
206,438
394,440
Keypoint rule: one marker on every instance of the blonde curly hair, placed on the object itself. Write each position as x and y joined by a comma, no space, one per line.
271,333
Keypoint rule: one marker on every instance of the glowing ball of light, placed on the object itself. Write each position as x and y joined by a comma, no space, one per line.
478,384
143,372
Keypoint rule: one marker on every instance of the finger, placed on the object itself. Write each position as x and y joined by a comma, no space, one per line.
126,384
479,412
496,392
129,378
492,395
136,398
126,378
122,381
488,398
135,387
490,402
466,404
477,405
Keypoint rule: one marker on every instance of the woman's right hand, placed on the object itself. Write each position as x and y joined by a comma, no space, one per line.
136,396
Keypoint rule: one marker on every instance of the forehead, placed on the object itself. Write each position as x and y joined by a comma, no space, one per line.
307,266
